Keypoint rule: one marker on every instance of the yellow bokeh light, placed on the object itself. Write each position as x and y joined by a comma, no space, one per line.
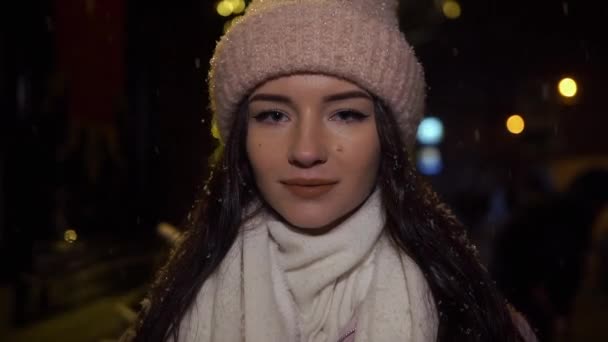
515,124
238,6
567,87
224,8
451,9
70,235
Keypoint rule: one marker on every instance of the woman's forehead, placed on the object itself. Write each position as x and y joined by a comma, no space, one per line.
296,85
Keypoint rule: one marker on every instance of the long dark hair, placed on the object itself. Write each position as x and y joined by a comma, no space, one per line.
469,306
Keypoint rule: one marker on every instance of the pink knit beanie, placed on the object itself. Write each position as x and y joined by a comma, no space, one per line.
357,40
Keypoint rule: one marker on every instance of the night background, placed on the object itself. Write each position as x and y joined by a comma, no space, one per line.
105,139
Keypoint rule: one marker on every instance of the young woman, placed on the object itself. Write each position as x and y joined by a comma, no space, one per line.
315,225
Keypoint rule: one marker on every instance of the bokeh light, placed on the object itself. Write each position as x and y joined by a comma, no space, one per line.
238,6
430,131
70,235
429,161
225,8
567,87
451,9
515,124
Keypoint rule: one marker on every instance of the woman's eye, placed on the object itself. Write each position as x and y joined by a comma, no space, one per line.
349,116
271,116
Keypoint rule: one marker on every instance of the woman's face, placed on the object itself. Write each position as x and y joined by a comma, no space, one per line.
313,146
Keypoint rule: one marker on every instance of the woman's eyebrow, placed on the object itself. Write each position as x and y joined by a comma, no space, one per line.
271,98
353,94
328,98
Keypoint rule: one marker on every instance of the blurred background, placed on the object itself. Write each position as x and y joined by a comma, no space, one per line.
105,133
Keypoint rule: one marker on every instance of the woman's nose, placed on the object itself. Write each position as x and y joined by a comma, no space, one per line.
307,147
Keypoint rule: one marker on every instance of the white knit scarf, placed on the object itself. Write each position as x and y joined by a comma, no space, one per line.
279,284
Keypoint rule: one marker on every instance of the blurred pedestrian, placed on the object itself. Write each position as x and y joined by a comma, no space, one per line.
541,254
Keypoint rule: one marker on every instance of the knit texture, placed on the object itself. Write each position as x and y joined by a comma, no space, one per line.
357,40
329,275
277,284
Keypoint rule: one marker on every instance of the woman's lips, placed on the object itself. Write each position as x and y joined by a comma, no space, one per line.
309,188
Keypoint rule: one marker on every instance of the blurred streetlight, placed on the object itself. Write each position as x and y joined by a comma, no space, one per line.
451,9
515,124
224,8
429,161
430,131
567,87
238,6
70,235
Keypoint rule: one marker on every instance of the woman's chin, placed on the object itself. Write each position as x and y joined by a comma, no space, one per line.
314,218
313,225
307,223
